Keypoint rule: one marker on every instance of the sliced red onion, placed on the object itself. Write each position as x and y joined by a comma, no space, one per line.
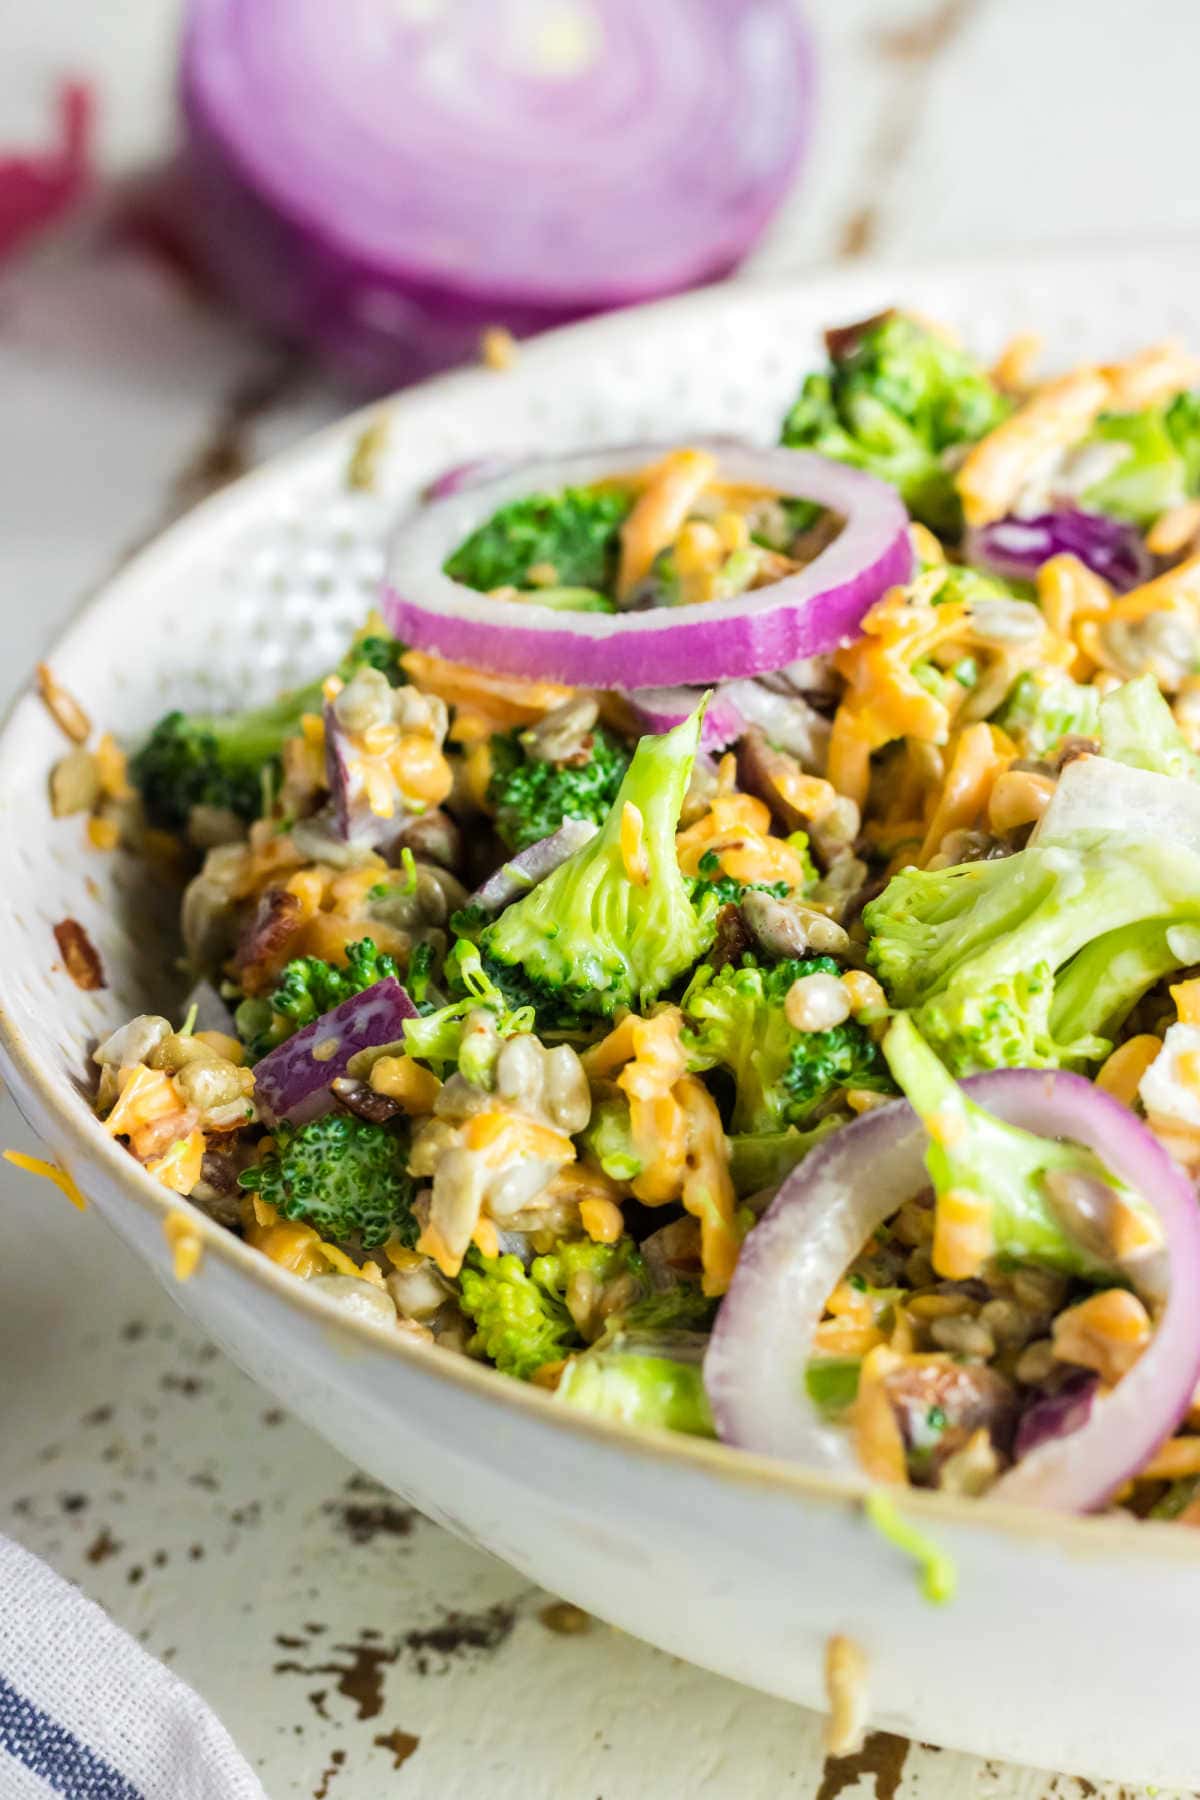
806,614
847,1187
354,820
385,181
463,475
1017,548
661,709
523,871
1057,1415
292,1081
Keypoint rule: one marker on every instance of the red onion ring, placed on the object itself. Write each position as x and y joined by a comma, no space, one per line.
807,614
848,1186
385,181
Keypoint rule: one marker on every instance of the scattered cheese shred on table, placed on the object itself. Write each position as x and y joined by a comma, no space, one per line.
187,1246
37,1165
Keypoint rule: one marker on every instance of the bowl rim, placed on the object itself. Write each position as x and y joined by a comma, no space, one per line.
79,1135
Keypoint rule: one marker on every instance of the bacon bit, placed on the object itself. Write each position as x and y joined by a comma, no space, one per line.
80,955
187,1246
265,938
962,1234
1121,1073
40,187
846,1690
48,1171
1106,1332
660,511
1174,530
498,348
633,848
1056,415
103,834
63,708
1013,368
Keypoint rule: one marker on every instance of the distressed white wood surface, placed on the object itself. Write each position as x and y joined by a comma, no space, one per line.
326,1626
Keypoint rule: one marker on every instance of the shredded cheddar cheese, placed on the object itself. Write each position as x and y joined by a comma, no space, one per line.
186,1244
48,1171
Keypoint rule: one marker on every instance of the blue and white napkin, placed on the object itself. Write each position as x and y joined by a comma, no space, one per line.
86,1714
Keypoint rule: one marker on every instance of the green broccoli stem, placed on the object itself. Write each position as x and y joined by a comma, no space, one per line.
1100,987
255,737
638,1389
971,1149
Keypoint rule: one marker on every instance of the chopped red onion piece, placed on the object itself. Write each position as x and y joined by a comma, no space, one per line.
291,1083
1016,548
523,871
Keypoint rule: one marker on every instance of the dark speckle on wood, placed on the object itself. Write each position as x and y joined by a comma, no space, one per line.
400,1743
102,1546
881,1760
99,1415
337,1760
188,1385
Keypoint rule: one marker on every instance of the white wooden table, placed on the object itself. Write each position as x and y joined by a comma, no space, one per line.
352,1649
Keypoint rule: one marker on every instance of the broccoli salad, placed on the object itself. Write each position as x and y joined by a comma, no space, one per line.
804,1051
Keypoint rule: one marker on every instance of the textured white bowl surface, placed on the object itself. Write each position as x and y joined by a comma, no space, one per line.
1070,1644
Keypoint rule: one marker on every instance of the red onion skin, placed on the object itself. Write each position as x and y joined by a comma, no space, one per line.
1111,548
661,709
1056,1415
292,1084
534,863
753,1381
388,291
808,614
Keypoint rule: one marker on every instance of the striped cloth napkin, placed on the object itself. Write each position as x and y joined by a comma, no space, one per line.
86,1714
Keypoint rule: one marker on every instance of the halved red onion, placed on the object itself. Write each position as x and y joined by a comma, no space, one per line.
788,720
1057,1415
847,1187
524,870
386,180
806,614
1017,548
292,1081
661,709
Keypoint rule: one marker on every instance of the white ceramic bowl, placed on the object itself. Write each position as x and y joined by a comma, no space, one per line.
1070,1643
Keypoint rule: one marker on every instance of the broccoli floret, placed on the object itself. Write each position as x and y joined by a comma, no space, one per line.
976,950
1044,706
1136,727
438,1037
1160,467
342,1175
531,798
521,1316
1099,988
736,1021
229,760
894,399
575,533
972,1152
308,987
196,759
591,936
626,1379
608,1139
710,886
